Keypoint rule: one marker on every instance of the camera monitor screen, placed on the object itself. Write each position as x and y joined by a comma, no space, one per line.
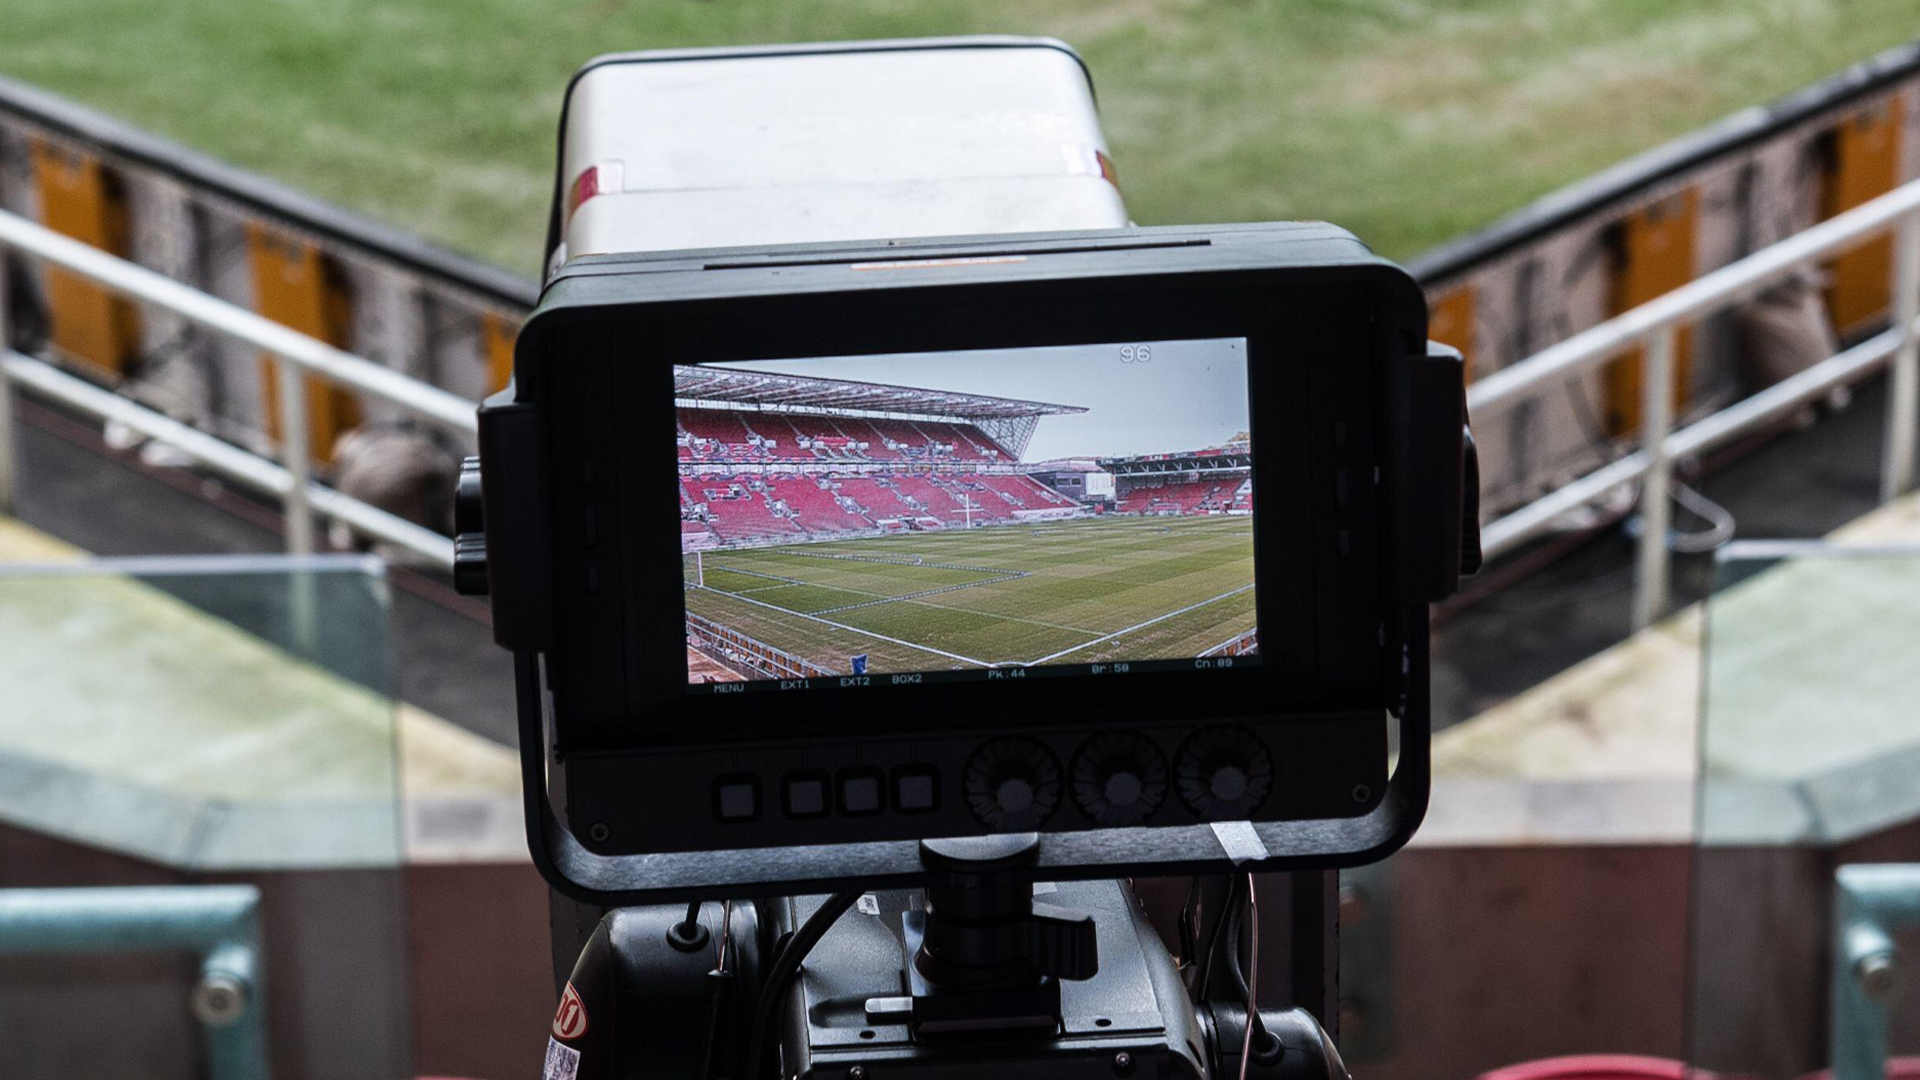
857,521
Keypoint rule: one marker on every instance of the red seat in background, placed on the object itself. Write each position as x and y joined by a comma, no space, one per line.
1600,1067
1637,1067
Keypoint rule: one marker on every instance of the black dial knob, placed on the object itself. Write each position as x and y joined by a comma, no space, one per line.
469,532
1223,773
1012,784
1119,778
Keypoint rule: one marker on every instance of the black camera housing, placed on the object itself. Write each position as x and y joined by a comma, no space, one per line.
1362,471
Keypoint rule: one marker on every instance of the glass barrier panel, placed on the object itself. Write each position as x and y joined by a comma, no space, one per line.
1809,746
181,721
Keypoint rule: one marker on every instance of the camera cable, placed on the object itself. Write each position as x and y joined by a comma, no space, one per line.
786,967
1204,978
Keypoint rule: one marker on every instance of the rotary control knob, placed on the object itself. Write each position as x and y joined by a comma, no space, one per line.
469,532
1119,778
1012,784
1223,773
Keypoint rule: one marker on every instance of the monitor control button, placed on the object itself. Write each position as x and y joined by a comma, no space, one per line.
736,797
861,791
1223,773
916,789
1012,784
806,793
1119,778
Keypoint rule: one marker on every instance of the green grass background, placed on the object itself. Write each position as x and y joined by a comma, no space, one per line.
1409,121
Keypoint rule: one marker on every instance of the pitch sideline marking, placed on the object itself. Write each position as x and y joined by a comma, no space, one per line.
760,574
853,629
925,592
1003,618
878,598
1138,626
915,598
909,560
995,615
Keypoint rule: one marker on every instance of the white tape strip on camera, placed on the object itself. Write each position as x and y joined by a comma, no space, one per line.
1240,840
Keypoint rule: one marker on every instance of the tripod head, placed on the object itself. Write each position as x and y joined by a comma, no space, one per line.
985,954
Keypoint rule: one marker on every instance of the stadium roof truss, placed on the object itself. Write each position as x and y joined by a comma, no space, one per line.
1169,464
1009,421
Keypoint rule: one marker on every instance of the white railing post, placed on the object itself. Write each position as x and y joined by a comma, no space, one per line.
295,454
9,464
1656,505
1903,383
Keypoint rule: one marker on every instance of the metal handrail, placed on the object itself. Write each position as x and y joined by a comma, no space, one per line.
310,354
240,466
219,923
294,356
1653,326
1701,296
1871,902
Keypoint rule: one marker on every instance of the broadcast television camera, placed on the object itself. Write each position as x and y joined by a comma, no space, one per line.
1005,565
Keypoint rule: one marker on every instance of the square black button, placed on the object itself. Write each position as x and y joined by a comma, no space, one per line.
805,794
861,791
916,789
736,797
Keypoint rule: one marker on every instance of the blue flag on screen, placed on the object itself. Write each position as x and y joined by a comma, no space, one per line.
860,664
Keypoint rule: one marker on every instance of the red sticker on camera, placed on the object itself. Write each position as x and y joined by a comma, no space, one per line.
570,1019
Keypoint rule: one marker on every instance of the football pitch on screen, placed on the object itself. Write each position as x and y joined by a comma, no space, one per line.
1066,592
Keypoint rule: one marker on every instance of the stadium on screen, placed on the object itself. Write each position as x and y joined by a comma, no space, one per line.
832,527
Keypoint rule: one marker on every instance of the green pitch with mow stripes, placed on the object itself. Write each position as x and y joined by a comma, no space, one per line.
1055,592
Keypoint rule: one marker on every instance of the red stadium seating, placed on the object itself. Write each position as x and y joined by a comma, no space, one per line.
876,497
937,502
737,499
911,444
786,437
969,442
1600,1067
987,502
1186,497
862,432
734,435
815,509
731,507
718,425
746,507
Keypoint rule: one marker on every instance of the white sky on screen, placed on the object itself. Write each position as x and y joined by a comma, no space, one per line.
1190,395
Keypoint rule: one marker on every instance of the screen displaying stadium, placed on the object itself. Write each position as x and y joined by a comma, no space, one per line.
1001,514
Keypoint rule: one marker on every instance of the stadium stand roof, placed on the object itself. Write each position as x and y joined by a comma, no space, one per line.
1065,464
768,388
1233,456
